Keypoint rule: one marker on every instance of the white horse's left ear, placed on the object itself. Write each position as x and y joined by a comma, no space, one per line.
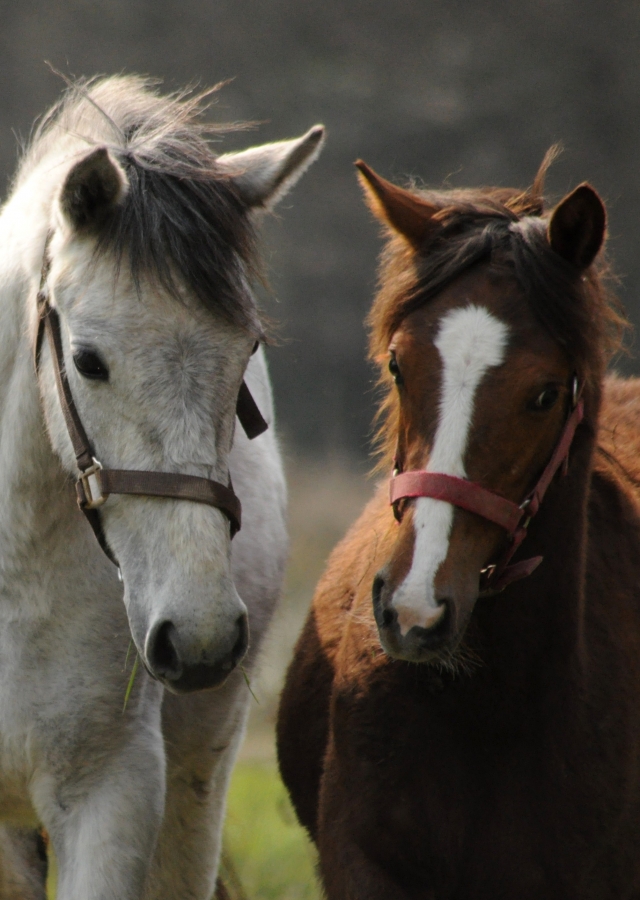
264,174
93,188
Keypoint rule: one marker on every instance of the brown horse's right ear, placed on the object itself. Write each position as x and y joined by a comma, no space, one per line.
577,226
404,212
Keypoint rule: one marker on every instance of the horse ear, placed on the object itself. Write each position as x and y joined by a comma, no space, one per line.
404,212
264,174
92,189
577,226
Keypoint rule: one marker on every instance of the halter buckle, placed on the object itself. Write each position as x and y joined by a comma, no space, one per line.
91,484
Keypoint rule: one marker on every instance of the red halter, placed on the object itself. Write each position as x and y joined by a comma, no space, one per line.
491,506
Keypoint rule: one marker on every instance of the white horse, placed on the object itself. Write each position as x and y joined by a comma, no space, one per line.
142,239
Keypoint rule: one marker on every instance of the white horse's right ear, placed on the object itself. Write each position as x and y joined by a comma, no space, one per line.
93,188
264,174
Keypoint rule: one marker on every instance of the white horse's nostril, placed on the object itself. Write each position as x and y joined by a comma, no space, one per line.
162,656
242,642
176,655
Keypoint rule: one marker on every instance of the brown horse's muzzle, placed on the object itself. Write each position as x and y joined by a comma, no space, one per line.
428,623
420,643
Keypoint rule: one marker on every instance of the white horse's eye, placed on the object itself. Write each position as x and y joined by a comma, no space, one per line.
90,365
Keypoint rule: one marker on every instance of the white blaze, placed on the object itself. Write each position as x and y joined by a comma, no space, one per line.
470,341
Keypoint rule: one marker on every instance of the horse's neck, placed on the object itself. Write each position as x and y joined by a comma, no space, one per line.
546,609
36,512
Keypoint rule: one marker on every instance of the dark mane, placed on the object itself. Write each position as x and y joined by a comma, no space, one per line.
182,223
505,228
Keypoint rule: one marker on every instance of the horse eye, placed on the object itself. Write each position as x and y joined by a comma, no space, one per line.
546,399
394,368
89,364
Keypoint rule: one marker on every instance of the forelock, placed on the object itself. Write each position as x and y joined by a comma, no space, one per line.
182,223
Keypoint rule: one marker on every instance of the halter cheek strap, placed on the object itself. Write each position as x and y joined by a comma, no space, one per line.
493,507
95,483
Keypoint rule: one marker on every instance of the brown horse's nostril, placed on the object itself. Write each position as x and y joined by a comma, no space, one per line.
385,616
376,595
389,618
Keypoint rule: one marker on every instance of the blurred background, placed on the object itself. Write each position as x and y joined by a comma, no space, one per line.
458,92
462,92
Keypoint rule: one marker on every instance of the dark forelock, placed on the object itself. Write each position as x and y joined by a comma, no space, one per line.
182,223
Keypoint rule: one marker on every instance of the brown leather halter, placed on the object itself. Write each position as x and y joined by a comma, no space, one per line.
474,498
95,483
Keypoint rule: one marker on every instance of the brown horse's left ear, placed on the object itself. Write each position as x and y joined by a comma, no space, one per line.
404,212
577,226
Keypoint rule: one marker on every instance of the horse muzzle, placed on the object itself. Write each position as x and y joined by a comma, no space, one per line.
183,666
187,650
437,635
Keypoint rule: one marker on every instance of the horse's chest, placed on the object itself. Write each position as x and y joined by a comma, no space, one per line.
446,825
14,798
15,752
469,810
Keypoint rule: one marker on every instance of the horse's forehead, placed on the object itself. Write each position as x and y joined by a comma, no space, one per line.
455,334
103,305
470,337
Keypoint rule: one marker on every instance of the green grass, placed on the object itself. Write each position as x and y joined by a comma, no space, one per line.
269,851
266,851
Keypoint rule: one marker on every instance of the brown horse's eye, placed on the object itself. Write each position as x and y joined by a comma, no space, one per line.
394,368
546,399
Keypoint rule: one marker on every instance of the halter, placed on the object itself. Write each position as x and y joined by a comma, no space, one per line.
95,483
491,506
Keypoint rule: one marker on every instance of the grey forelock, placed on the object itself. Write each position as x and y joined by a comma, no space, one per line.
181,223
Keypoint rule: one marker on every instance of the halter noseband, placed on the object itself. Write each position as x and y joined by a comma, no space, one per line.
95,483
491,506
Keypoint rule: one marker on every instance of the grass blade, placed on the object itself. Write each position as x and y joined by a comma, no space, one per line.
132,678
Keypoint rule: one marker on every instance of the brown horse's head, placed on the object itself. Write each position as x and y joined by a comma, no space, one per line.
488,312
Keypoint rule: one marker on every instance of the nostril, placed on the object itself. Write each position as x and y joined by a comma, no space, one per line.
389,617
162,656
385,616
242,641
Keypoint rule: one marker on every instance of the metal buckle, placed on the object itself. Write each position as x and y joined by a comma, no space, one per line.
92,486
524,505
574,392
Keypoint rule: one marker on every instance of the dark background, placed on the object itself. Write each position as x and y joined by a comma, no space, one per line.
460,91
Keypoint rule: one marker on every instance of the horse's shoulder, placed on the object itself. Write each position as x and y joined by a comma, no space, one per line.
350,570
618,456
304,717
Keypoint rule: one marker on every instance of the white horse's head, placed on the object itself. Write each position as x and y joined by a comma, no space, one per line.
150,263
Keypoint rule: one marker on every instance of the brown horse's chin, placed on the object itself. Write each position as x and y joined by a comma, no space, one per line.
434,644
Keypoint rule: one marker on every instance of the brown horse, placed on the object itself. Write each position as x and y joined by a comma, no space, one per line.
474,733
